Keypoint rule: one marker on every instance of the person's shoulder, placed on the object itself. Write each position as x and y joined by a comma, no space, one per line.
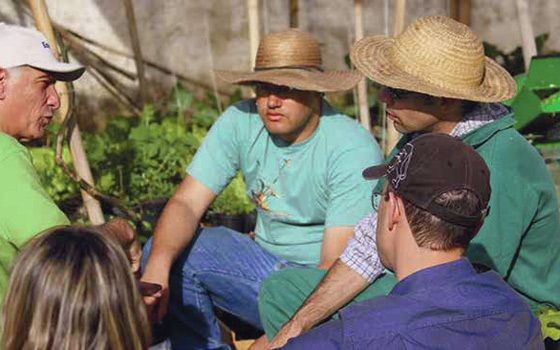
242,115
241,108
340,128
507,151
9,146
489,291
386,309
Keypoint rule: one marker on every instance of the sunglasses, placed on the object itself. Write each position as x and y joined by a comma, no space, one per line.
398,94
264,89
376,197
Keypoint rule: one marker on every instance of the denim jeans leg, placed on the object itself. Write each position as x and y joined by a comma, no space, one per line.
220,268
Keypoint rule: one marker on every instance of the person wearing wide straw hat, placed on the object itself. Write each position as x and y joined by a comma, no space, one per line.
436,78
298,157
433,203
28,100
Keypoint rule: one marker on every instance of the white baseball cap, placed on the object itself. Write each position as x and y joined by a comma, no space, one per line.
21,46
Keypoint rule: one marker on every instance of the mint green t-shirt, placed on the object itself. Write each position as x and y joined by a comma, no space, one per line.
299,189
25,207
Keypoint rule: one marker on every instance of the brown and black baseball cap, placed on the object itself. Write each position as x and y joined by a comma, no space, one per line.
432,164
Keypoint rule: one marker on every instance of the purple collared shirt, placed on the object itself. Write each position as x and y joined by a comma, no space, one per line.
448,306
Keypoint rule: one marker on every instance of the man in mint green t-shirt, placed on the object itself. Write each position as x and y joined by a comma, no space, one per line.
28,99
301,162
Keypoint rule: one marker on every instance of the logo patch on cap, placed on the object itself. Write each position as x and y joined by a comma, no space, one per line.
400,165
45,45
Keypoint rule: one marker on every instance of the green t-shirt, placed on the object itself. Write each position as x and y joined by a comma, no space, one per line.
519,238
298,189
25,207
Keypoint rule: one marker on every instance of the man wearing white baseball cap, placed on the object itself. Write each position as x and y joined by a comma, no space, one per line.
21,46
28,100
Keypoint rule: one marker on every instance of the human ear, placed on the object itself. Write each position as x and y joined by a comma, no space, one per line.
3,83
395,210
451,108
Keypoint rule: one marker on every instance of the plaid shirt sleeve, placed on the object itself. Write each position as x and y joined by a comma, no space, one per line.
361,253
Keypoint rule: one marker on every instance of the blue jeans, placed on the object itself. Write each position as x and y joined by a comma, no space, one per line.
222,268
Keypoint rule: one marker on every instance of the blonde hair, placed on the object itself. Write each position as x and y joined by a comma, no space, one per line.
71,288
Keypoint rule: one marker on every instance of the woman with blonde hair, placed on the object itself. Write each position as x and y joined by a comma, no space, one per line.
71,288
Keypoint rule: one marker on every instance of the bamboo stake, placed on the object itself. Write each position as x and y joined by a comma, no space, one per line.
96,67
454,9
460,10
93,208
136,48
65,32
529,47
254,37
253,11
362,85
294,10
392,134
465,12
84,53
265,21
211,62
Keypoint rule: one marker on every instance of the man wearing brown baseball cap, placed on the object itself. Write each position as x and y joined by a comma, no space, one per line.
436,78
28,100
300,160
434,201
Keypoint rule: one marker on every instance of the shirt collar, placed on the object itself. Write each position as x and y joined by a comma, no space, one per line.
434,277
481,115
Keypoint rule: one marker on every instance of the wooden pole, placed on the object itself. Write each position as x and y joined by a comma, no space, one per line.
465,12
460,10
136,48
254,37
454,9
43,24
294,10
362,85
211,63
66,33
253,7
392,134
528,45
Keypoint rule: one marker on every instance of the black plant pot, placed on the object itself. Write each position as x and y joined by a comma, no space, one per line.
550,344
243,223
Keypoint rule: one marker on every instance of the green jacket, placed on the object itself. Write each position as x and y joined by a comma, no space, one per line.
520,238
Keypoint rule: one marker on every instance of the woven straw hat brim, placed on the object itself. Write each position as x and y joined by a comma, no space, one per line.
372,57
326,81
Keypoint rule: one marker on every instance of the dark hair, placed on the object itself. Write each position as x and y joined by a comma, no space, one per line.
429,231
469,106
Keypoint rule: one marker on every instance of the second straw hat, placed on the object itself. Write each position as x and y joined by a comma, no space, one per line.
292,58
434,55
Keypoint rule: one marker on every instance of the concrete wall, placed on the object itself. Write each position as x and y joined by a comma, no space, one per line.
192,37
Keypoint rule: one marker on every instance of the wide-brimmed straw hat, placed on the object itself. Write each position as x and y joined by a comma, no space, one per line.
434,55
292,58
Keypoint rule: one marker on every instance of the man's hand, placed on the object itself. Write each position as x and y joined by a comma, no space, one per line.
156,304
290,330
126,236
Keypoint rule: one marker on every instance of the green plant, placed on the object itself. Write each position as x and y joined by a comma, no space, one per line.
139,160
233,200
550,322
